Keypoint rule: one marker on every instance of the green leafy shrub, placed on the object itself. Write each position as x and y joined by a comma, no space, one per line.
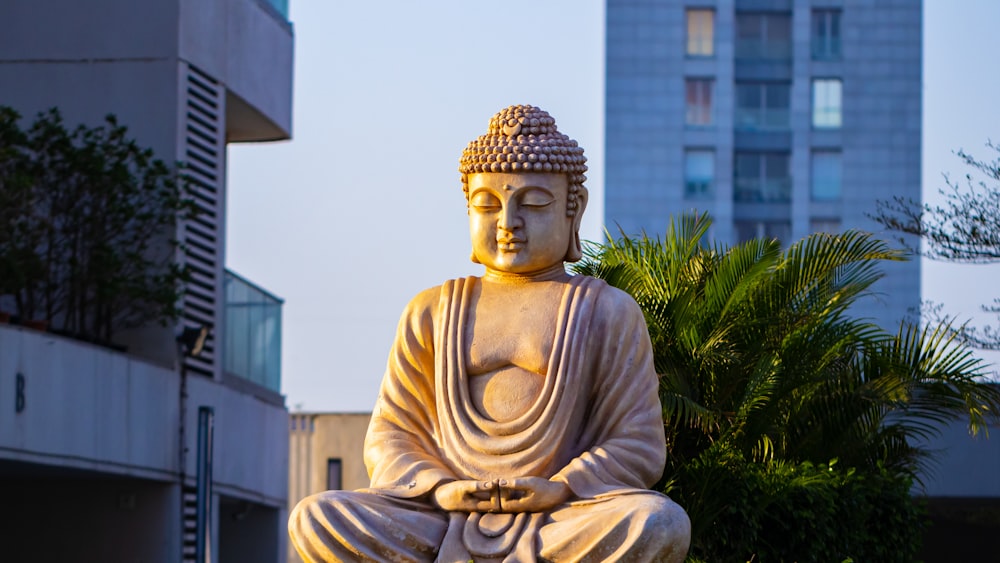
785,512
766,374
88,223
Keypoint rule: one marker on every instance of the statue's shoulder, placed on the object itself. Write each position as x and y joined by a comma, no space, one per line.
425,301
428,300
607,293
610,301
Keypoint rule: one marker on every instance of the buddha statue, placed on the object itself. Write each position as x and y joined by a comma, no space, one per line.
518,419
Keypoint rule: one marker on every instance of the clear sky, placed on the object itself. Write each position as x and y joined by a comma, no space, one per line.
363,208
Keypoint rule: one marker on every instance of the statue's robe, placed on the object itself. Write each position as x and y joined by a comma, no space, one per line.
596,426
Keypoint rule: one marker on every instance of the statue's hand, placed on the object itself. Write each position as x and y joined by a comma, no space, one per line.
465,496
532,494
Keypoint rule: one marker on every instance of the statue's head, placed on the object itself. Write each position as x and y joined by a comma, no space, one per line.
523,182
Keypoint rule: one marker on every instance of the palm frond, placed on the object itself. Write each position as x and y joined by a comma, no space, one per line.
759,353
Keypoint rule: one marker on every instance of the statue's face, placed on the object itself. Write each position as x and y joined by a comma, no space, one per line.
518,221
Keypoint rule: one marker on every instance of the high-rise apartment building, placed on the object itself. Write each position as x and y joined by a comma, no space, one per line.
777,117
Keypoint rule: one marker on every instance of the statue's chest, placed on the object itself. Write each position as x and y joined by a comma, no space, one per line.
508,338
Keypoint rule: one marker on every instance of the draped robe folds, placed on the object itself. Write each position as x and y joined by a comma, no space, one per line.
595,426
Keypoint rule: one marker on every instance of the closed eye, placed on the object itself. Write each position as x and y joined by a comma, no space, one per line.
536,198
484,201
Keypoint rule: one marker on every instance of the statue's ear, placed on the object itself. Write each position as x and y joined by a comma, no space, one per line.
473,258
575,250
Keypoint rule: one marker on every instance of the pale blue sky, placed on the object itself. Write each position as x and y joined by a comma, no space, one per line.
363,208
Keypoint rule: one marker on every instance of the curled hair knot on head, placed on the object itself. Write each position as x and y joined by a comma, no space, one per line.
524,138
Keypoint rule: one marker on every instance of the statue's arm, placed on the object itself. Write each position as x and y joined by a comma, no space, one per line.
623,443
400,451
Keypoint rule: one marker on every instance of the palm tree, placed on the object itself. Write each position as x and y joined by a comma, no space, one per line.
760,354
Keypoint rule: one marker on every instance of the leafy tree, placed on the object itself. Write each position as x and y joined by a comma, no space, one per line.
964,229
87,227
18,231
760,362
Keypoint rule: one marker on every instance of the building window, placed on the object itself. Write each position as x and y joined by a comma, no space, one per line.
822,225
747,230
699,174
763,36
762,105
826,103
761,177
334,474
700,33
699,101
826,175
826,34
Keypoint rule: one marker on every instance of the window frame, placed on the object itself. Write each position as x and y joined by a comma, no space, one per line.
762,46
707,192
334,474
826,46
704,92
813,176
763,179
825,114
763,110
697,45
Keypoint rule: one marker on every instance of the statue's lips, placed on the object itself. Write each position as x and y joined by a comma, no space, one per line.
511,244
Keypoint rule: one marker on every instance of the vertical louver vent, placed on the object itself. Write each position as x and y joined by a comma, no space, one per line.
204,157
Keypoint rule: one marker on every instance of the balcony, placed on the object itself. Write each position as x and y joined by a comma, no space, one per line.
758,119
244,47
762,49
756,190
252,333
826,48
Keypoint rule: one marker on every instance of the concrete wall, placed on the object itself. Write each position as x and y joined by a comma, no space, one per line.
90,408
251,443
64,30
967,467
86,407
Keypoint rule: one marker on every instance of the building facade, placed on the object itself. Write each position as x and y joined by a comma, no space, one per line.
158,449
778,118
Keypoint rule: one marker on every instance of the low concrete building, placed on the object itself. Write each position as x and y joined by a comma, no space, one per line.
153,454
326,452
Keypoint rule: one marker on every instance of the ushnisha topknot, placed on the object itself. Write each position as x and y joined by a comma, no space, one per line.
524,138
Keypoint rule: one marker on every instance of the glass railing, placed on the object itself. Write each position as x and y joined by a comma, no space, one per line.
825,48
757,118
698,189
758,49
280,6
754,190
252,333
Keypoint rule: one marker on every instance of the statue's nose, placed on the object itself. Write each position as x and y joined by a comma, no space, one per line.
510,219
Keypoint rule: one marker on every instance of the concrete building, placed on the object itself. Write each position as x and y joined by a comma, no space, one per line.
152,454
326,452
777,117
